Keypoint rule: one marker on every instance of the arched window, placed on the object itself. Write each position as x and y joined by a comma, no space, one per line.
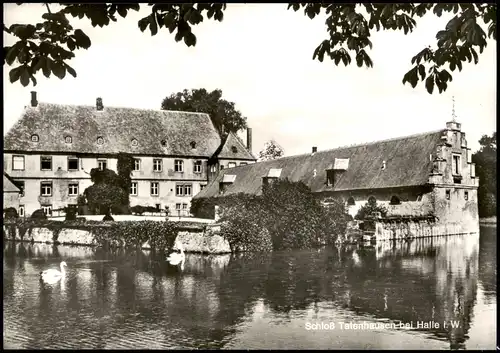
34,138
100,140
134,142
68,139
193,144
395,200
350,201
164,143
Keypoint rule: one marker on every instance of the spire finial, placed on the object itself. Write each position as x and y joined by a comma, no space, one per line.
453,116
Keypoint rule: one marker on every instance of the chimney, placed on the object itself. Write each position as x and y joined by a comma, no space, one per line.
249,139
34,102
315,149
98,104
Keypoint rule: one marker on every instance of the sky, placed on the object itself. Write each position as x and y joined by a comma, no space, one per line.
260,55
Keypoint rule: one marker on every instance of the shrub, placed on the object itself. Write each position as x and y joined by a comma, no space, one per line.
39,214
368,210
70,211
10,212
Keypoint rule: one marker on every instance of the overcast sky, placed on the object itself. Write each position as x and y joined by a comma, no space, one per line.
261,58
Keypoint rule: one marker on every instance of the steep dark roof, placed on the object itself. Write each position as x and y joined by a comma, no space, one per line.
407,164
233,148
118,127
8,184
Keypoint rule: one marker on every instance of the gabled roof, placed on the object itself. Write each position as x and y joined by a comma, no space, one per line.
233,148
117,126
407,164
8,184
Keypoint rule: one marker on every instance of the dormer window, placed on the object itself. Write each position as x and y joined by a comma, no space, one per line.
272,175
227,180
68,139
34,138
336,170
234,149
193,144
100,140
164,143
134,142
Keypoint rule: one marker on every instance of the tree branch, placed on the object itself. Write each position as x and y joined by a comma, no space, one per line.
48,8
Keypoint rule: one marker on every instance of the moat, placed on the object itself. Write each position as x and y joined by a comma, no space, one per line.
430,293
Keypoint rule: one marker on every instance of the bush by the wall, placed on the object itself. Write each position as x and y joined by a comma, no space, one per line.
39,214
369,209
141,209
10,212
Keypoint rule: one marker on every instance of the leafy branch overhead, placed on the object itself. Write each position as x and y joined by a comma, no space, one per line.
48,45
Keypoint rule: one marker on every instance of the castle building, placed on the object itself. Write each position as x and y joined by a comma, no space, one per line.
51,149
420,175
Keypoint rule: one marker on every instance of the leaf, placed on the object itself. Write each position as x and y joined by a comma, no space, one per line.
474,54
411,77
12,52
71,44
429,84
421,71
14,74
40,63
190,39
122,11
58,69
71,71
153,27
143,23
25,76
47,67
81,39
169,19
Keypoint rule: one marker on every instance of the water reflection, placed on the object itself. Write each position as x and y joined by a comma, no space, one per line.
114,300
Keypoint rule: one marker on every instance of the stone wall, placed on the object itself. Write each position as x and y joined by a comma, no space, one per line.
410,229
193,239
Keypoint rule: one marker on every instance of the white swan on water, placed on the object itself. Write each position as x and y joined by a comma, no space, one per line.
52,275
177,258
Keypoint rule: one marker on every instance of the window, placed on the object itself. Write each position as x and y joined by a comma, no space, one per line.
197,166
100,140
184,206
179,165
456,165
243,163
157,165
231,165
21,210
134,142
193,144
45,163
34,138
178,206
448,193
46,188
183,190
73,189
466,195
133,188
234,149
213,168
158,206
137,164
395,200
72,163
20,185
202,186
68,139
47,209
154,188
164,143
102,164
350,201
17,162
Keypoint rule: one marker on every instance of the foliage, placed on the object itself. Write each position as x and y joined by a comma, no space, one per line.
141,209
108,196
39,214
486,162
70,212
368,210
49,44
203,207
10,212
292,215
272,150
222,112
125,166
81,200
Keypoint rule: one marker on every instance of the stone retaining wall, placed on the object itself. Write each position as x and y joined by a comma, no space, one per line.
192,239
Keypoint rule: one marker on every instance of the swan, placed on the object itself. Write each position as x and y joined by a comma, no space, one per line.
51,275
177,258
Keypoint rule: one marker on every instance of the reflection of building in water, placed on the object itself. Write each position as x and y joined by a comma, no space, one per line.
430,280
